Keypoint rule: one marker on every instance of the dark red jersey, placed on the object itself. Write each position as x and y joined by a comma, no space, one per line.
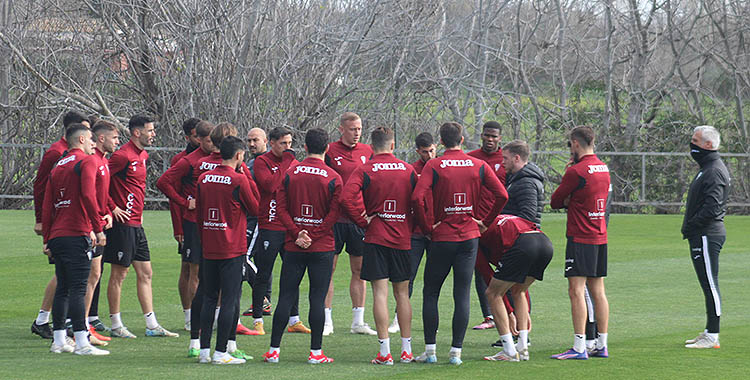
213,161
224,199
127,186
495,160
102,184
269,171
49,159
344,159
429,214
308,199
70,206
385,183
455,181
587,185
182,175
175,210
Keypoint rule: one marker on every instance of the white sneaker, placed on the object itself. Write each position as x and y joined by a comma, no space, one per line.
187,326
226,358
327,329
691,341
90,350
502,356
59,349
204,359
363,329
523,354
394,327
426,357
704,341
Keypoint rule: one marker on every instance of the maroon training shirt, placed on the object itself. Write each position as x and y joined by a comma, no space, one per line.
269,171
587,185
128,182
70,206
308,199
495,160
183,175
176,210
49,159
224,199
344,159
455,181
102,184
429,214
213,161
385,183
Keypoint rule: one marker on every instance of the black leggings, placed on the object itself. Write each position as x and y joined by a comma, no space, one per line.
196,305
268,244
481,288
224,275
704,252
419,244
72,267
444,255
319,266
94,308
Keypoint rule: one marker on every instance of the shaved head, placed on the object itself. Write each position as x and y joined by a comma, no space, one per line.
256,141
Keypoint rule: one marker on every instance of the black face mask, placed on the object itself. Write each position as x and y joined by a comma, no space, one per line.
698,153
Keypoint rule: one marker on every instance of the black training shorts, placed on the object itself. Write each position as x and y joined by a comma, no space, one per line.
380,262
126,244
528,257
585,260
352,236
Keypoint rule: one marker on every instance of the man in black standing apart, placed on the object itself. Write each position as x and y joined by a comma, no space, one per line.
703,226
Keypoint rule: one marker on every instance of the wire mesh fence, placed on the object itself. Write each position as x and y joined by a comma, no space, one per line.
643,182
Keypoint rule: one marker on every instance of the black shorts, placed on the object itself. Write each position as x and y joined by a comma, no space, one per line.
97,251
528,257
352,236
126,244
585,260
191,250
380,262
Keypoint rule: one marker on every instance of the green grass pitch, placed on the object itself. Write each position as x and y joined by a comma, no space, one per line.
655,300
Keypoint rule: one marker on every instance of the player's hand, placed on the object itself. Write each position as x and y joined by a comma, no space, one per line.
512,324
121,215
108,219
303,240
369,218
46,251
180,239
434,226
481,225
101,239
38,229
191,204
92,237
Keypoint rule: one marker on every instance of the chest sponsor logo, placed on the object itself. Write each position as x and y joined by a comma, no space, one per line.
206,166
213,214
66,160
598,169
459,199
214,178
311,170
456,163
388,166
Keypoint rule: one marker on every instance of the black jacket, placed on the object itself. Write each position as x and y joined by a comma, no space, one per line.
525,193
707,199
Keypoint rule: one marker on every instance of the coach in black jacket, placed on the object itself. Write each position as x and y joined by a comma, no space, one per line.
524,182
703,226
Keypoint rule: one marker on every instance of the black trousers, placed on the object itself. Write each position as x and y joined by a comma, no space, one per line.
319,266
72,256
268,245
94,308
419,244
481,288
196,306
444,256
704,252
225,276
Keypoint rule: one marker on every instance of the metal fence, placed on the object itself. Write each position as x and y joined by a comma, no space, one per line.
643,182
